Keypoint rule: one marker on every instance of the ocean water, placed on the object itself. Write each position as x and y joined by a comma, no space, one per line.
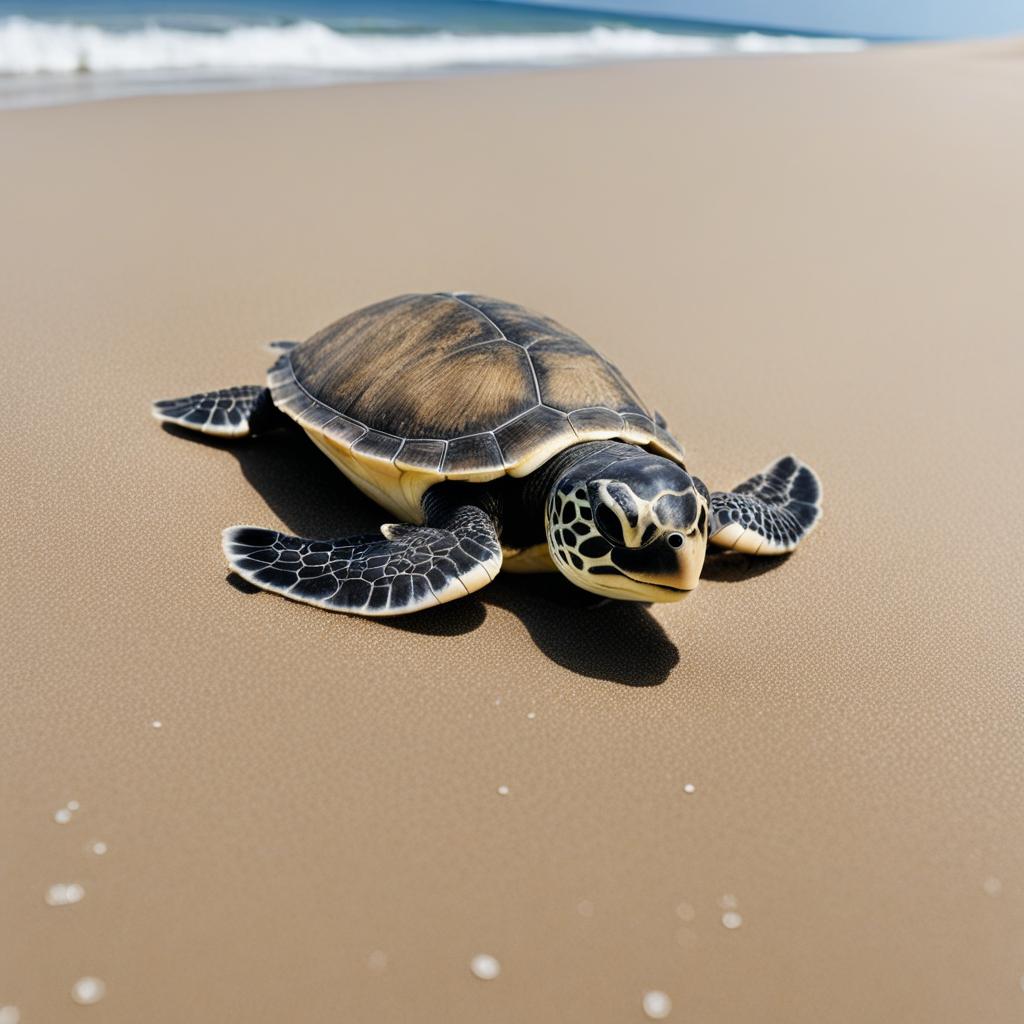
56,51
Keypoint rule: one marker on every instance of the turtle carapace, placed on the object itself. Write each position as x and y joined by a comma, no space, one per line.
500,440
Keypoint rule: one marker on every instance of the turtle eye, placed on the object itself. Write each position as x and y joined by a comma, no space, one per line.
675,540
608,523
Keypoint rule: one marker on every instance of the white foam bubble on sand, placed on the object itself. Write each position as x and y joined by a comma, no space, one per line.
87,991
63,894
485,967
657,1005
65,813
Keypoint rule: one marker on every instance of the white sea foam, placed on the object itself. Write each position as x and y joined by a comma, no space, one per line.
30,47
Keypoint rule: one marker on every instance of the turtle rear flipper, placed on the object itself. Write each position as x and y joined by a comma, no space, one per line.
229,412
770,513
414,567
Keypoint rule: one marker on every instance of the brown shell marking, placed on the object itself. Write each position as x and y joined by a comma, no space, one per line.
458,385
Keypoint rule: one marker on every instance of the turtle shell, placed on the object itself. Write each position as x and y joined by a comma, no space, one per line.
457,386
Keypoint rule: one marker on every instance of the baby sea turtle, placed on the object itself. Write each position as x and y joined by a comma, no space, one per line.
501,439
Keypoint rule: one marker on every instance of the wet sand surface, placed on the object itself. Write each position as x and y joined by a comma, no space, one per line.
819,255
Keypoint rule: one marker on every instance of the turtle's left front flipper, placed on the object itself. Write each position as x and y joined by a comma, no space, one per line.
456,552
229,412
770,513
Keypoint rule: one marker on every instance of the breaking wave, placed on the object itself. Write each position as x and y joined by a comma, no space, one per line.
30,47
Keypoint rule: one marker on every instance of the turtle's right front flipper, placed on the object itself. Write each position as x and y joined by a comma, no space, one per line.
229,412
411,568
770,513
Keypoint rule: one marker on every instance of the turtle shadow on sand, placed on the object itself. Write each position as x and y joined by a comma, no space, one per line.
617,641
610,640
722,566
298,482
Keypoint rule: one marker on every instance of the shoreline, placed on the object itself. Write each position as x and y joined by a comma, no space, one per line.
44,63
914,50
12,101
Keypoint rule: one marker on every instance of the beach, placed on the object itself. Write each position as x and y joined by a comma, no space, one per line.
301,811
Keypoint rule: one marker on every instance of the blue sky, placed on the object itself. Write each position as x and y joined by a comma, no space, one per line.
867,17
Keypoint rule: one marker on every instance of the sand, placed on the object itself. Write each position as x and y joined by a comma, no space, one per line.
816,254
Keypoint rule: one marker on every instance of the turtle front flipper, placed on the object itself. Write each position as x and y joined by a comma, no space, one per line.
229,412
455,553
770,513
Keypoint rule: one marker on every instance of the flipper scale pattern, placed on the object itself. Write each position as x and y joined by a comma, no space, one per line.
227,412
770,513
368,575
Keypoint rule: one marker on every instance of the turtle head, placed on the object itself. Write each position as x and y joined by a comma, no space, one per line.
636,529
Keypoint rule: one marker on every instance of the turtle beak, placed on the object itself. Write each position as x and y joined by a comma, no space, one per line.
677,569
691,561
684,578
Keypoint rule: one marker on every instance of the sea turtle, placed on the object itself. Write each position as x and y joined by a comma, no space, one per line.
500,439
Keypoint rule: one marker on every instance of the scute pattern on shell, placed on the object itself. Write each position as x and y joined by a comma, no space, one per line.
459,385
